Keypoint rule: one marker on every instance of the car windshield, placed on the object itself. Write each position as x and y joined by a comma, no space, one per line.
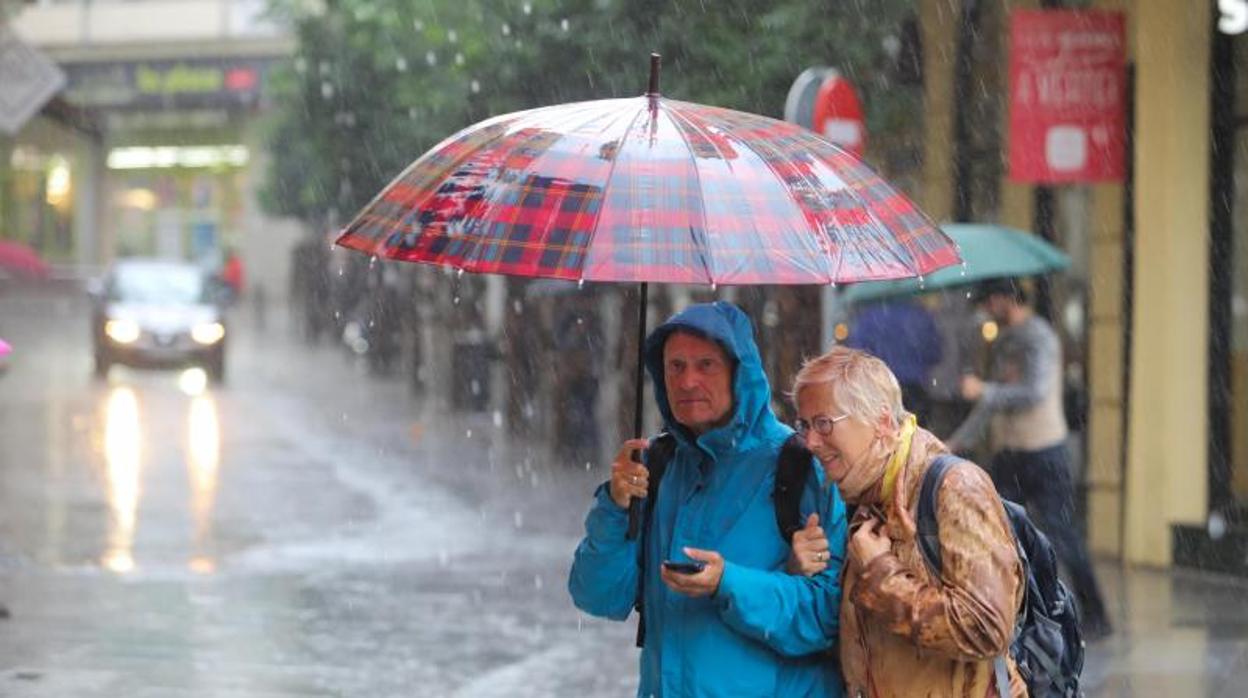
158,284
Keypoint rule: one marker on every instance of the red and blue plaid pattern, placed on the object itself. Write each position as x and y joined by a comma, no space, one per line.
648,189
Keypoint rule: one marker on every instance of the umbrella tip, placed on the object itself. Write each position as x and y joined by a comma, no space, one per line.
655,60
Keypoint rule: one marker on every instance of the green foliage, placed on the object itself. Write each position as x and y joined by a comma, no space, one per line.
374,83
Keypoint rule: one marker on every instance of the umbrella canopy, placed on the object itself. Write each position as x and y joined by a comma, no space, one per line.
20,259
649,189
988,251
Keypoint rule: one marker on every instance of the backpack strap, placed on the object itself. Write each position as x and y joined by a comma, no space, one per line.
660,452
792,471
1001,673
927,525
929,543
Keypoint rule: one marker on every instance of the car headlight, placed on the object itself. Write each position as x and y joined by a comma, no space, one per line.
208,333
122,331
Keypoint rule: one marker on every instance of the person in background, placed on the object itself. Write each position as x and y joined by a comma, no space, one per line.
232,274
905,630
1022,401
903,334
742,625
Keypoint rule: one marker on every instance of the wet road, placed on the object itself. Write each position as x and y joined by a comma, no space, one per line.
302,530
305,530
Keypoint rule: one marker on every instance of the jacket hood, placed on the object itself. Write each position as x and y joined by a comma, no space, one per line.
727,325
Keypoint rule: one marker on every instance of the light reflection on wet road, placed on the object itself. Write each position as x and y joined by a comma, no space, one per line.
301,530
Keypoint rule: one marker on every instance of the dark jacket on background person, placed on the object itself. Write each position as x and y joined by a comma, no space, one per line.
764,632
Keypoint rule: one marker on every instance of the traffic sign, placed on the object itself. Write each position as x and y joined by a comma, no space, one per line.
30,79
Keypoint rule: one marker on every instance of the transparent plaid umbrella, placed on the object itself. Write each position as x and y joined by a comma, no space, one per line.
647,189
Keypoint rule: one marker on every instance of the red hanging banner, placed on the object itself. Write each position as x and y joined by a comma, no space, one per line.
1067,96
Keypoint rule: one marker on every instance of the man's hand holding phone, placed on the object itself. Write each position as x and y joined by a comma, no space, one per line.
684,567
698,582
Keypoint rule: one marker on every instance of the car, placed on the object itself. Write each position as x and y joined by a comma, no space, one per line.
156,313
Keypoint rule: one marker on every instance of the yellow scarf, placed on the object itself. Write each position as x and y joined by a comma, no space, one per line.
900,456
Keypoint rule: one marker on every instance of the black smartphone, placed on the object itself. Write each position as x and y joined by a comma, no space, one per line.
692,567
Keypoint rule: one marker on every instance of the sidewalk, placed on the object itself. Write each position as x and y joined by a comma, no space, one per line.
1177,633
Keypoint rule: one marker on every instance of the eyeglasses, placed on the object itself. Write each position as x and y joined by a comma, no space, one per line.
821,424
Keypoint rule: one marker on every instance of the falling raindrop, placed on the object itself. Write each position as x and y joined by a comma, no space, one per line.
301,66
528,8
563,24
476,86
327,90
459,59
468,433
372,261
431,58
714,286
459,273
506,30
517,307
537,581
498,418
580,284
519,519
455,300
452,36
401,64
419,25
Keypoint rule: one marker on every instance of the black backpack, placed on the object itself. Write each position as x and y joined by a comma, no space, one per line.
792,471
1047,645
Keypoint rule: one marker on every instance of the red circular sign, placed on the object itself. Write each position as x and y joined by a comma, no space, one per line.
838,114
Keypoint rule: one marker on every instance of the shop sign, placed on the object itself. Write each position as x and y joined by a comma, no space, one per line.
171,84
1067,97
1232,16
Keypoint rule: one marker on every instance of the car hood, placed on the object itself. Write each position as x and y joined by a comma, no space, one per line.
162,317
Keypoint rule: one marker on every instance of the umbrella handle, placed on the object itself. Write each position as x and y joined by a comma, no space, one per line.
634,504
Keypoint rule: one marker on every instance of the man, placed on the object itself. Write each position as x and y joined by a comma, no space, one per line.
741,626
1023,400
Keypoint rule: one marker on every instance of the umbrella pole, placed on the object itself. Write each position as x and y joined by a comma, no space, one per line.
634,506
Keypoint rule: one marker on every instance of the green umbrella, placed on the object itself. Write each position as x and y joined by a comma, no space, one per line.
989,251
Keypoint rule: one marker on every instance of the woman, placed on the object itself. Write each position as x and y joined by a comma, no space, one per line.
904,631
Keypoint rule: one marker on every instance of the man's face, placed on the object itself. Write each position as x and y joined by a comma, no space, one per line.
698,377
997,307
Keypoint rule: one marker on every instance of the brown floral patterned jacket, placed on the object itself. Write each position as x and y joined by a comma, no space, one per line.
907,634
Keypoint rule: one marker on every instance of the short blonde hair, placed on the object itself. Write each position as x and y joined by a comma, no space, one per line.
861,383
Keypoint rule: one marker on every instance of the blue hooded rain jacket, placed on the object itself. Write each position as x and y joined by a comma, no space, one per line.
764,632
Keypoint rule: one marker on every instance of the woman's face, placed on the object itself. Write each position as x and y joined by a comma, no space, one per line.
848,442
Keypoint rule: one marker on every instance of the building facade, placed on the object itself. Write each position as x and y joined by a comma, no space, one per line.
1156,303
157,145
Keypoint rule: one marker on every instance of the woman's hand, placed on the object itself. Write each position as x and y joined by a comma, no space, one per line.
810,549
869,542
